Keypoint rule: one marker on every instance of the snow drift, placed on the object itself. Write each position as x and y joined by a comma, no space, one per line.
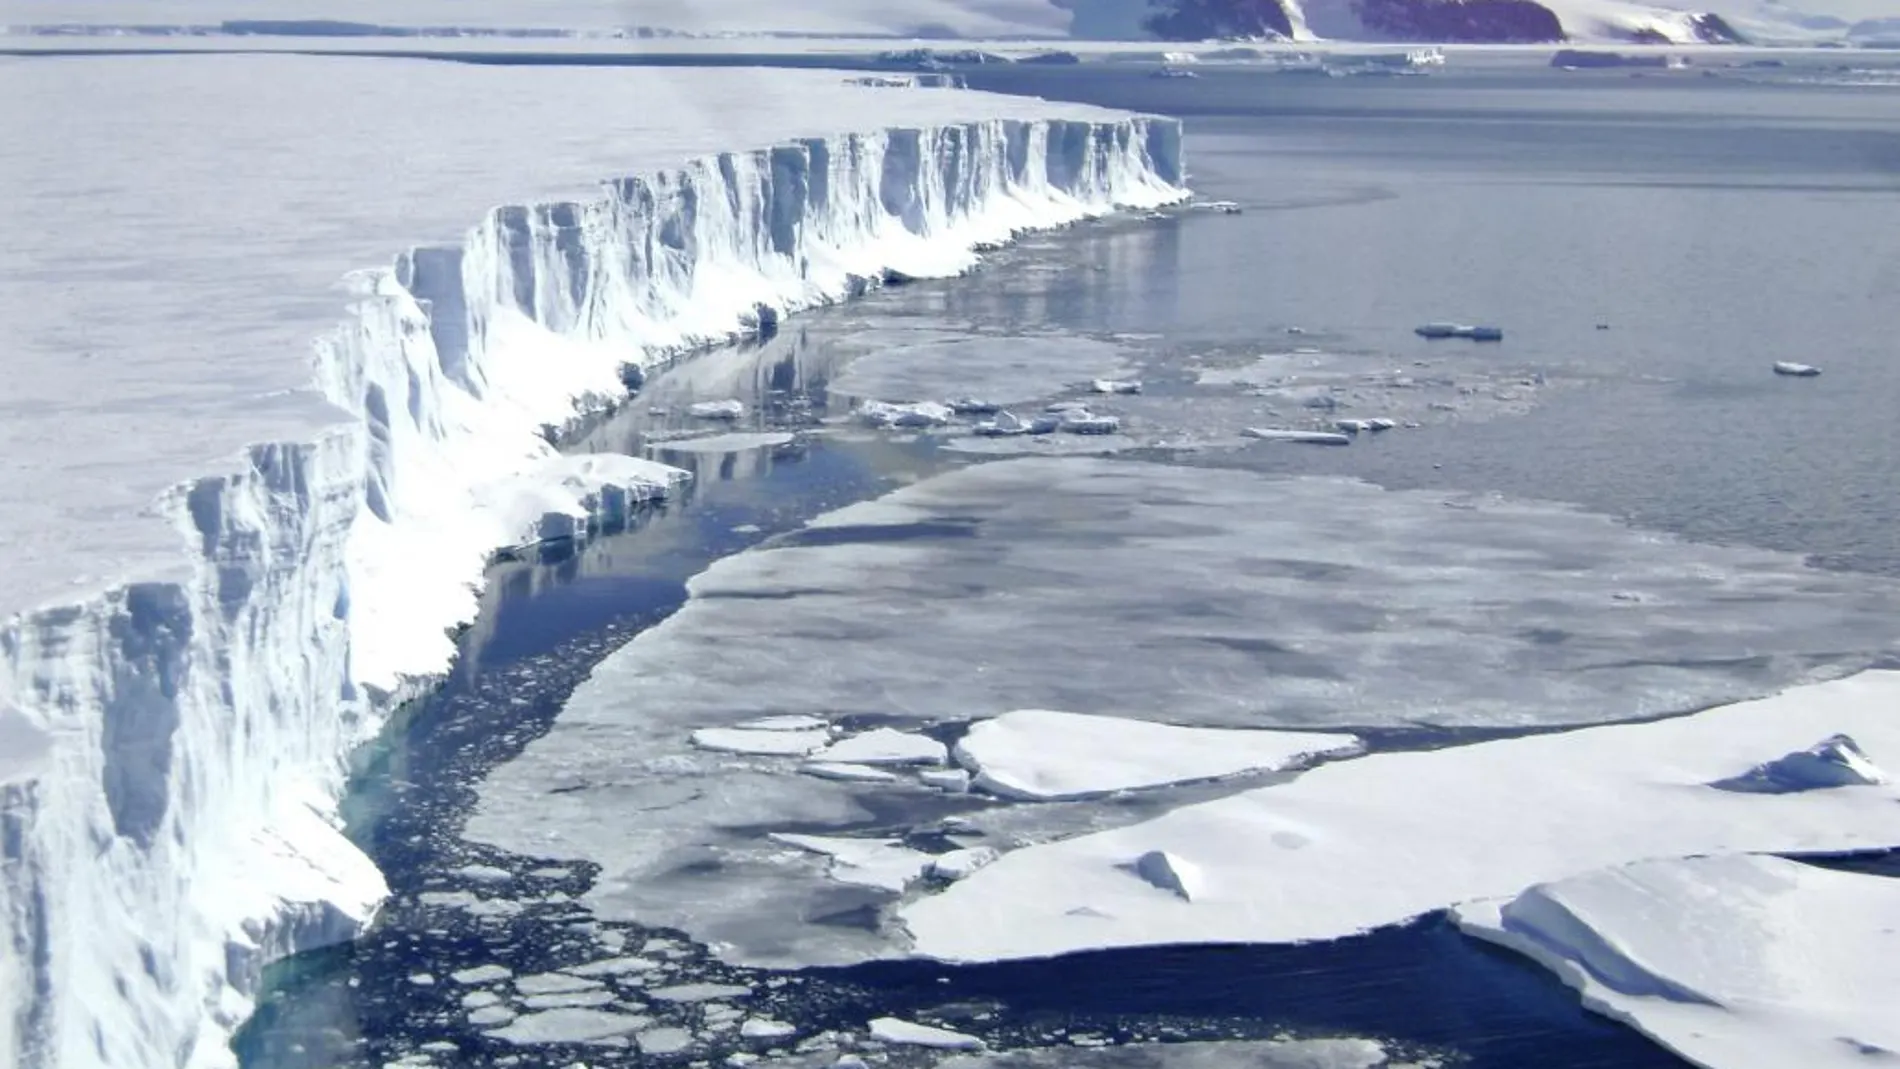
174,745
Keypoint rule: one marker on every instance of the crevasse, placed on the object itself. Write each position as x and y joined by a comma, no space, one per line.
181,831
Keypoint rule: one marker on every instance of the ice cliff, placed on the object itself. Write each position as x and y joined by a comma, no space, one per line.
174,747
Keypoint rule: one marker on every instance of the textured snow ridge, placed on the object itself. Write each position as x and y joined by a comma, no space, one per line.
174,747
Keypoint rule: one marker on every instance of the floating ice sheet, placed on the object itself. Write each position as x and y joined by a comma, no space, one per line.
1315,858
1735,962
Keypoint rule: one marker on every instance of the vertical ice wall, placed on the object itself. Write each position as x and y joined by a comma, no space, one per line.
176,748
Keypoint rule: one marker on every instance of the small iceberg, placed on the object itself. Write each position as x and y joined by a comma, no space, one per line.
1799,371
1116,386
1354,426
1459,330
971,406
1304,437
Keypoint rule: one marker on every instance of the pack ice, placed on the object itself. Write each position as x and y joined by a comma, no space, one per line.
284,339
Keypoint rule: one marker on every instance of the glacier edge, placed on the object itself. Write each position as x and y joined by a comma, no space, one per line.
176,747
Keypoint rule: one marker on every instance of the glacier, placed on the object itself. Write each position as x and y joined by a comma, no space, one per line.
245,505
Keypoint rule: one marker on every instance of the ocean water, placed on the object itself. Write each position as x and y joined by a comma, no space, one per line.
1713,226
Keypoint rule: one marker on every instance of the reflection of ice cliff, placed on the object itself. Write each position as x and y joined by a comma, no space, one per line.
177,725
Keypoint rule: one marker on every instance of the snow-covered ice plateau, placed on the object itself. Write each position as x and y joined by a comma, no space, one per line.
1733,962
285,340
1315,858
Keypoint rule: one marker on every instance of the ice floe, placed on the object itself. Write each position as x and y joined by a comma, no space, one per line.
662,1041
553,983
909,414
572,1025
885,746
1733,962
911,1034
769,742
481,974
848,773
1232,1054
885,864
613,967
1315,858
954,780
785,723
765,1028
1267,434
1043,754
698,992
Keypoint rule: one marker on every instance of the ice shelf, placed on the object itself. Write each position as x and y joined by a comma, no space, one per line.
282,333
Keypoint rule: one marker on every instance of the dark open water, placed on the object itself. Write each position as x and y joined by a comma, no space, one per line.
1714,226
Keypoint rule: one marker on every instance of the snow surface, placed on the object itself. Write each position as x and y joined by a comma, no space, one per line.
279,481
1041,754
1733,962
1316,858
